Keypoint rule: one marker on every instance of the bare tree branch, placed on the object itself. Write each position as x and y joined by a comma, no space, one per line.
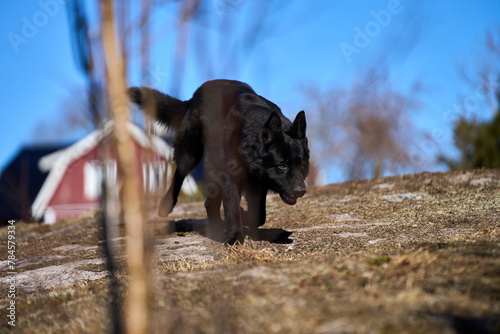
137,305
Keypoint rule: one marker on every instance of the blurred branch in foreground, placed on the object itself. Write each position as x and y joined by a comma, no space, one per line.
137,315
88,54
86,109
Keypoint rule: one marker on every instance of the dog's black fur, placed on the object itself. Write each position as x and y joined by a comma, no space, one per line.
249,148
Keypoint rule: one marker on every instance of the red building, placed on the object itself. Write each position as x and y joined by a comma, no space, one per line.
73,183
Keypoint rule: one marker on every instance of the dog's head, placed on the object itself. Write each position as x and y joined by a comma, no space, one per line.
286,156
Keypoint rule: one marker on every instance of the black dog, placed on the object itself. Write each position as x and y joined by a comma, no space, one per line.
249,148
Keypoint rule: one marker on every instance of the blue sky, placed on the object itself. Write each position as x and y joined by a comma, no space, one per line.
423,40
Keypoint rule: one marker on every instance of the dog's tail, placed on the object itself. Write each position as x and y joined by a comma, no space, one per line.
161,107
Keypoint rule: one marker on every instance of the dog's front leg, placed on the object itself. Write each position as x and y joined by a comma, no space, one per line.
231,197
216,228
255,216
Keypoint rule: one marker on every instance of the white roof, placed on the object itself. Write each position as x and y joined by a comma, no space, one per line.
56,163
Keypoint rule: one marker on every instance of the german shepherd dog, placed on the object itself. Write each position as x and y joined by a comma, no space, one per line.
249,148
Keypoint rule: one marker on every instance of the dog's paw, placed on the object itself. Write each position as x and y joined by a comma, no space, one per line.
234,236
166,206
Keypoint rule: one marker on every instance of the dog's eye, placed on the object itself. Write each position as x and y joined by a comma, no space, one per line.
282,166
302,167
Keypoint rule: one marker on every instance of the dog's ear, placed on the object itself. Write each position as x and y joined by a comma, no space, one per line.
272,128
299,126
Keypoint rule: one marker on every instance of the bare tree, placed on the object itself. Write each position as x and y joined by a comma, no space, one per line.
367,127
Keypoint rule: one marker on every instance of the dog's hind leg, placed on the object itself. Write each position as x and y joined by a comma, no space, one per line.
170,199
188,153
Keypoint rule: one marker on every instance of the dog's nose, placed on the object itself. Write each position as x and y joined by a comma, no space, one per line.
299,192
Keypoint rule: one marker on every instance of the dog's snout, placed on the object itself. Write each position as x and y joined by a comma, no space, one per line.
299,191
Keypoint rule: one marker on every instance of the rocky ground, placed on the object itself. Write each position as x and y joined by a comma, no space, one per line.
415,254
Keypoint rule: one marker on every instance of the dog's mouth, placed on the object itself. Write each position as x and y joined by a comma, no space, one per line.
288,200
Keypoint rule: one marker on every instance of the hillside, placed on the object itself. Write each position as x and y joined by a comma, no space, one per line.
415,253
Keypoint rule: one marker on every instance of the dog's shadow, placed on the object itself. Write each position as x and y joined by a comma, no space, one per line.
273,235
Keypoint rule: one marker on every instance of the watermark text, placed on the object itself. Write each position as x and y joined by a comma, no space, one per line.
11,273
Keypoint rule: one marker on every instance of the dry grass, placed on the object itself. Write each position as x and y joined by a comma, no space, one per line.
249,253
181,265
422,266
253,252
